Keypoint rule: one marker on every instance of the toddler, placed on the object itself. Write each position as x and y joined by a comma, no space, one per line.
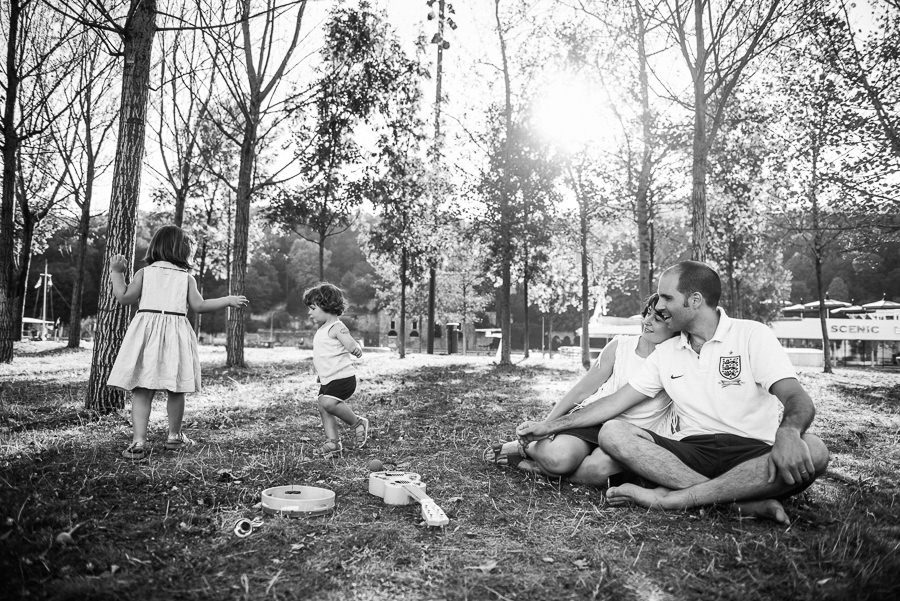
332,347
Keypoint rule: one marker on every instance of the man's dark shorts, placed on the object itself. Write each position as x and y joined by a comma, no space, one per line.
713,454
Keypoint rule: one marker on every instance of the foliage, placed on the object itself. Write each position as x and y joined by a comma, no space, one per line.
362,63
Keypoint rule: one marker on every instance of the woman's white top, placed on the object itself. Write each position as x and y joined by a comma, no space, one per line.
653,414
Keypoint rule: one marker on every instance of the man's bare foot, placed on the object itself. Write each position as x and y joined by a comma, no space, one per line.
631,494
530,466
507,453
768,509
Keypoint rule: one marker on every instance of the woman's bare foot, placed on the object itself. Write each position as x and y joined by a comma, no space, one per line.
631,494
530,466
768,509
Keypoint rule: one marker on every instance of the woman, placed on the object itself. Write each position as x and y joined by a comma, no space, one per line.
575,453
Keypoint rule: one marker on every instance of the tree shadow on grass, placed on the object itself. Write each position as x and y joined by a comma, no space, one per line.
37,405
881,397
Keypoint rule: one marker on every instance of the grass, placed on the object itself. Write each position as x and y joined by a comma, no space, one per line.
162,529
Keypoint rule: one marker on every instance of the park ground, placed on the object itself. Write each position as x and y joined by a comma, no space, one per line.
162,529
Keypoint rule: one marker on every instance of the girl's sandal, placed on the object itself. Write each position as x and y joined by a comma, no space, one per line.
331,448
135,451
361,428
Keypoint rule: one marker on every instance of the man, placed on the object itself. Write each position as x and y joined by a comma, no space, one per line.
742,415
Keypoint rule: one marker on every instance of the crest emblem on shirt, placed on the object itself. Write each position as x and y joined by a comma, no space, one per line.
730,369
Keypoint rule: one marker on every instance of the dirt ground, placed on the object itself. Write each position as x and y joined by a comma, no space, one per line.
163,528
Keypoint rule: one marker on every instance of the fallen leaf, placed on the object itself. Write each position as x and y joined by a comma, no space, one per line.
548,559
487,567
581,564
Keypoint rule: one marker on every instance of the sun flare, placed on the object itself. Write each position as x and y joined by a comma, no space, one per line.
573,114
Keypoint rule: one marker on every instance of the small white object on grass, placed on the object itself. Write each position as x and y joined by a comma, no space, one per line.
64,538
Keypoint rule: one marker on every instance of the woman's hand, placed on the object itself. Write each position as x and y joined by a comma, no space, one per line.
117,264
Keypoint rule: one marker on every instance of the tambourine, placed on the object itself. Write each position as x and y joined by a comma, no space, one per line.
295,500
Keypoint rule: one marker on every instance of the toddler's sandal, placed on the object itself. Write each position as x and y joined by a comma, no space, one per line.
331,449
361,428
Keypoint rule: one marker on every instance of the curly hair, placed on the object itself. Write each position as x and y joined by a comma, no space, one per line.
170,243
327,297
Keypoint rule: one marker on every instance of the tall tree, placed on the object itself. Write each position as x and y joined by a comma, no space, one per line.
186,86
251,80
462,282
136,34
718,40
587,197
362,63
94,119
504,192
819,115
37,52
398,186
537,198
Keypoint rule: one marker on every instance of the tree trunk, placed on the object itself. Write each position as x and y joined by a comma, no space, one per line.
432,267
503,310
818,249
432,290
585,308
820,291
550,334
7,226
732,291
180,199
322,236
112,318
525,299
84,226
235,329
84,230
642,213
401,334
201,275
698,165
21,273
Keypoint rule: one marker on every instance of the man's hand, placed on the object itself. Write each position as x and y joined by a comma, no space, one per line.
357,352
790,458
530,431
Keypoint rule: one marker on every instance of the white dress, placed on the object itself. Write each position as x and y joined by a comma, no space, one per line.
653,414
159,351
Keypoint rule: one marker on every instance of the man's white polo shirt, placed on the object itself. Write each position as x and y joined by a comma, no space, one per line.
724,389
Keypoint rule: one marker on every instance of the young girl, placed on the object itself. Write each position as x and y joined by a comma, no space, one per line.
332,347
159,351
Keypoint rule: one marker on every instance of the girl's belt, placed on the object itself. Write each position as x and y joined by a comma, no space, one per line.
163,312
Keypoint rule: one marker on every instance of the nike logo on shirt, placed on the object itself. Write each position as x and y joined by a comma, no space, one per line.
676,377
